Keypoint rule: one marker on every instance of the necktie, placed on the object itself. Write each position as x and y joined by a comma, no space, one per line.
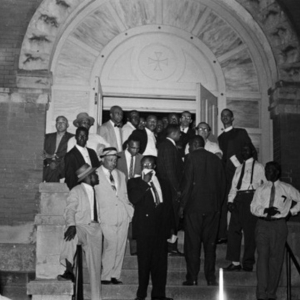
95,208
112,182
131,167
272,195
241,177
156,196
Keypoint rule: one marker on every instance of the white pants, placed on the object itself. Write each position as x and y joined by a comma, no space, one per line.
90,237
114,246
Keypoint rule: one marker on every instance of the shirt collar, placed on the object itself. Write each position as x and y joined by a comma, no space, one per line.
228,128
249,160
173,142
80,148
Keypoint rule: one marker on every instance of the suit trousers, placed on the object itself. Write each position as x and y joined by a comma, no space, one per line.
90,237
152,260
270,241
114,245
200,228
242,220
223,224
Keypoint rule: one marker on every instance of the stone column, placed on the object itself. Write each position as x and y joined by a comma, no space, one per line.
285,113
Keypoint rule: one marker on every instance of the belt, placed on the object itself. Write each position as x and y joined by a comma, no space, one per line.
270,219
245,192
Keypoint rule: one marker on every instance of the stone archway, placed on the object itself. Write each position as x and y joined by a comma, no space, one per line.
85,37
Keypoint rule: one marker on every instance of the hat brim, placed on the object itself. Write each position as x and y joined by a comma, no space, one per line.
76,122
86,174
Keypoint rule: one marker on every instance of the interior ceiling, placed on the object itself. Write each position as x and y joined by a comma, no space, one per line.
292,9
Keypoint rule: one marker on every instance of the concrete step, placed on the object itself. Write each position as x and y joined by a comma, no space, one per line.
14,284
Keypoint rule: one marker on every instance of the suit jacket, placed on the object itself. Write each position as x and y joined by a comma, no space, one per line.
231,143
184,139
148,219
50,146
122,164
204,183
78,209
110,203
73,161
169,165
106,130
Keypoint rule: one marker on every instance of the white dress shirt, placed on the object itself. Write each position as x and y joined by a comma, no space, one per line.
257,180
284,195
118,135
90,192
151,144
114,174
85,154
128,160
155,182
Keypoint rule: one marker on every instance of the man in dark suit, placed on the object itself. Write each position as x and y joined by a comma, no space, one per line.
55,148
187,133
169,169
78,156
129,163
203,189
111,130
150,231
231,142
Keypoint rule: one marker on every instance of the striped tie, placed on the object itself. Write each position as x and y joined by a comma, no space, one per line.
112,181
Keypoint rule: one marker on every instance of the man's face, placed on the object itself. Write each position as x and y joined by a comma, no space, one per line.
142,124
246,152
160,126
165,122
271,173
226,118
185,120
61,125
203,130
110,162
173,119
117,115
81,138
85,123
151,123
133,147
134,119
94,179
148,164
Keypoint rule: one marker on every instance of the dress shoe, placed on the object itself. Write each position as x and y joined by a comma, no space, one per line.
134,254
106,281
189,282
248,269
116,281
212,283
163,298
222,241
66,276
139,298
175,253
232,268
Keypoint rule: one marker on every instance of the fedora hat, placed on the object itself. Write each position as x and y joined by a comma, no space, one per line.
81,117
109,151
84,171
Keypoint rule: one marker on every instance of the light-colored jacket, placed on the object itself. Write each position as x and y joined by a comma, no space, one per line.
113,206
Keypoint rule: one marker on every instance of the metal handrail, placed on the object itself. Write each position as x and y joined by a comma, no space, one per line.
290,257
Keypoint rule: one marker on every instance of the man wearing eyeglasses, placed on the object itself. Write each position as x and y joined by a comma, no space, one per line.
204,130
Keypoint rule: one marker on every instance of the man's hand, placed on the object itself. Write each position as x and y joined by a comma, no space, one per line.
271,211
180,212
231,206
147,177
70,233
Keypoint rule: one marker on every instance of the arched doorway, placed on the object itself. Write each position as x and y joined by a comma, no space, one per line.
150,51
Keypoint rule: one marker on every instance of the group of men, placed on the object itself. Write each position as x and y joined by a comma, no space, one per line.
165,176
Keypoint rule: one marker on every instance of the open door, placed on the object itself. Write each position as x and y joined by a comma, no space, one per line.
98,102
206,108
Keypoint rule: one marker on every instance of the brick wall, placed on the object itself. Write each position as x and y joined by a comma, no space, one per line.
22,126
14,18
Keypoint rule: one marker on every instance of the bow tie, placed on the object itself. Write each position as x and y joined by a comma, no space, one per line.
117,125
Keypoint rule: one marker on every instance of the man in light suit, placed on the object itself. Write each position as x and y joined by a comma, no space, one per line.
82,222
130,164
79,155
115,214
111,130
55,148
